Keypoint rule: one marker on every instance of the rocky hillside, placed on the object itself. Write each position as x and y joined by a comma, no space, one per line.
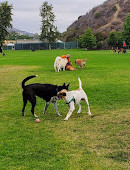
105,18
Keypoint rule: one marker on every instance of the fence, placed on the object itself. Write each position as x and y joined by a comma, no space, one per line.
8,47
44,46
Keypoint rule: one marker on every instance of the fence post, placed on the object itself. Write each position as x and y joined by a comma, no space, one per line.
77,44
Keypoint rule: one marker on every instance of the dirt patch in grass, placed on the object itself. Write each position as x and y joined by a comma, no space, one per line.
8,68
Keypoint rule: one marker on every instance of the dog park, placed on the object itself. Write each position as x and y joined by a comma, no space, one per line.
97,141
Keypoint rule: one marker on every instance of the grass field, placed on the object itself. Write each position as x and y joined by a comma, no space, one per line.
83,142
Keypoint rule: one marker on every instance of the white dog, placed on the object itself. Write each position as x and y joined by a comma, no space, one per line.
60,64
56,63
74,97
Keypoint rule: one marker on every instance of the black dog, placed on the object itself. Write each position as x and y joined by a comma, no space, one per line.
48,92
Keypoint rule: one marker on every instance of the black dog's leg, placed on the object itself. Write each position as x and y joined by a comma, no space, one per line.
46,106
56,109
24,105
33,102
25,98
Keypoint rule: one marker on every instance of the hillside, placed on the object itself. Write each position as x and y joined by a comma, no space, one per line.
20,32
105,18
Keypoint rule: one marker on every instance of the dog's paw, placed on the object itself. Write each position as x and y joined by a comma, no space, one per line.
65,119
89,113
35,115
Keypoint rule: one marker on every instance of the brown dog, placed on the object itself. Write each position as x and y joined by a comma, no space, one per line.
120,50
69,66
123,50
81,62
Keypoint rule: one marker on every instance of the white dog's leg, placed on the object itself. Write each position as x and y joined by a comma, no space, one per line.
46,106
56,109
55,69
71,109
63,68
55,66
58,68
86,101
79,111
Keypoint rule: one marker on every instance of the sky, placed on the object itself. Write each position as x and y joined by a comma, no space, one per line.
26,13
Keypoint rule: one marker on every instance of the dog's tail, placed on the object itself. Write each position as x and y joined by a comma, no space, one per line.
26,79
80,83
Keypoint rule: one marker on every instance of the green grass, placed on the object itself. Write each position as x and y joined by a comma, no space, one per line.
83,142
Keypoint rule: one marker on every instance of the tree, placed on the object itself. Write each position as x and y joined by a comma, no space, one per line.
48,30
5,20
126,31
100,36
88,40
115,39
99,45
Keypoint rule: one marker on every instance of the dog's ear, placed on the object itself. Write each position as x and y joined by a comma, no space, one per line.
63,84
67,86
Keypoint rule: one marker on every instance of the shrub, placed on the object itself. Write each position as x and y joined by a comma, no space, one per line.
115,8
97,15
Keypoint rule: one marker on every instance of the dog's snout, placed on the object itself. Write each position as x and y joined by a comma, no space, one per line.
61,95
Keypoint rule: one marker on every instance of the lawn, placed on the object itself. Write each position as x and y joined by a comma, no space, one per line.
97,142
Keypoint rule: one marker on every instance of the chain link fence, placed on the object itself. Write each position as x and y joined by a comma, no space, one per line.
43,46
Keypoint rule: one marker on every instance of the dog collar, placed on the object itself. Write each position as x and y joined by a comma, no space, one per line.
73,99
